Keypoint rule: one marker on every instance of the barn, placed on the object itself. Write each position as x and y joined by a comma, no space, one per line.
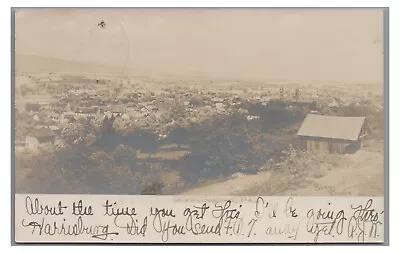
39,137
332,134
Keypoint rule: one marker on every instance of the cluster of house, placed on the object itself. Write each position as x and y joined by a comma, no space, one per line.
328,134
318,132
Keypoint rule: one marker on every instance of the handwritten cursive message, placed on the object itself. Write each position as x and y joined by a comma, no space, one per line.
184,219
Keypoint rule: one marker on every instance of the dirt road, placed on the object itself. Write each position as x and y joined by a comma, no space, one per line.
359,174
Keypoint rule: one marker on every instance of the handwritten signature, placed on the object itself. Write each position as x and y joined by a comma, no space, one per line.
364,221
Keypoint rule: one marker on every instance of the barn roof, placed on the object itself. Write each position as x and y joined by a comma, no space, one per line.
344,128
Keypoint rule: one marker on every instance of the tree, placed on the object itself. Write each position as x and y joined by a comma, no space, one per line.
73,133
72,161
177,111
88,126
108,177
126,156
109,141
143,140
179,136
107,124
193,167
36,180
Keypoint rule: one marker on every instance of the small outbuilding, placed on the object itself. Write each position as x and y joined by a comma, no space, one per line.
332,134
39,137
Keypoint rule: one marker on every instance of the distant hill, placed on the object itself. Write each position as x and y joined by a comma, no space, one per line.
35,64
40,64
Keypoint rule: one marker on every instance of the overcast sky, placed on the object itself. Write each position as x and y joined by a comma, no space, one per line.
294,44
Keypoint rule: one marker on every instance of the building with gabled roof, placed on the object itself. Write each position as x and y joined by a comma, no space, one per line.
332,134
39,137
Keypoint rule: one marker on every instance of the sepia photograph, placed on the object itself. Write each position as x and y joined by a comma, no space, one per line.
199,102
